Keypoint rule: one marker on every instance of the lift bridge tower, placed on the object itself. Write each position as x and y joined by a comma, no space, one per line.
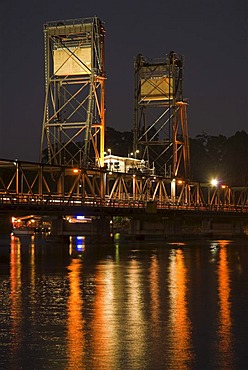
160,116
74,117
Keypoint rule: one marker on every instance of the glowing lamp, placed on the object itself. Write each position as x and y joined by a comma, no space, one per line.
214,182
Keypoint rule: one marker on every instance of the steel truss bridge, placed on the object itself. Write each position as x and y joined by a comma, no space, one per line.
72,175
27,187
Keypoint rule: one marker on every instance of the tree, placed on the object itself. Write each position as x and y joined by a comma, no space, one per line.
235,159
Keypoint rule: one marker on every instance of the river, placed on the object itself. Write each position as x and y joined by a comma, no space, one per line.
127,305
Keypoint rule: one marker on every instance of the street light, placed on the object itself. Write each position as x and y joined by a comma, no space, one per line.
133,154
214,182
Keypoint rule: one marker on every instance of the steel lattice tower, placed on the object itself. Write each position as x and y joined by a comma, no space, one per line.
74,117
160,115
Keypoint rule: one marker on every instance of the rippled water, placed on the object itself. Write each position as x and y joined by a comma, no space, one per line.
130,305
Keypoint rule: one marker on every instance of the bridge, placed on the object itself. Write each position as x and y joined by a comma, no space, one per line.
75,175
27,185
43,189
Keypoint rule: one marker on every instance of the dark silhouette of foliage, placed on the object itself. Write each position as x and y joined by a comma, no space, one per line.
120,143
210,156
235,159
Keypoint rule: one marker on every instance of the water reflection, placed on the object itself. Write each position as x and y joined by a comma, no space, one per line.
124,308
154,292
135,314
75,321
179,322
15,295
104,325
33,291
225,321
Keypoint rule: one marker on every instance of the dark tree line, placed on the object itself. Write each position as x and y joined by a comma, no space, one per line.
120,143
225,158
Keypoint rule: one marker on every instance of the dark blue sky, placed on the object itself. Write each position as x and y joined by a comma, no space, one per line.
212,35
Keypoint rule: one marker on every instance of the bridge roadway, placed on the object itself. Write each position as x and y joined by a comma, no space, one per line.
23,204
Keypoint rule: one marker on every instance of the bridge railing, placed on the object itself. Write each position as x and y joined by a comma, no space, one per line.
46,201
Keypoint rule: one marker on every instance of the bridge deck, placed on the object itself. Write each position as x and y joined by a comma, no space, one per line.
59,205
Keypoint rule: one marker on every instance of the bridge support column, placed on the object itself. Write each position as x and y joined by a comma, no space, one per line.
154,227
220,227
134,227
102,228
57,227
173,190
245,227
5,224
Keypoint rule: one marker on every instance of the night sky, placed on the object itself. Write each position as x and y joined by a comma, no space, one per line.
212,36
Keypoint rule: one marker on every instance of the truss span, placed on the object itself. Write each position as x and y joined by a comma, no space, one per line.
44,186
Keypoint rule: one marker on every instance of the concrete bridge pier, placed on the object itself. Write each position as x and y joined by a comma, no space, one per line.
154,226
5,224
101,228
232,226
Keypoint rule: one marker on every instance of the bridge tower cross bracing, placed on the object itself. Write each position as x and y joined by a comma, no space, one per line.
160,115
74,111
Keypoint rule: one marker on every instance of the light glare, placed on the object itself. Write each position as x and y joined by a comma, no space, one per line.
214,182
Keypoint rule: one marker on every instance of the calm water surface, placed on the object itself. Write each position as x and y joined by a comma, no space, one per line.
130,305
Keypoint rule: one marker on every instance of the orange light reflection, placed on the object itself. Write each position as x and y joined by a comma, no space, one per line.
75,320
104,326
225,321
135,316
15,292
154,291
180,325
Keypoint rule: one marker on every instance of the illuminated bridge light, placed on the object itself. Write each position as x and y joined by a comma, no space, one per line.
80,217
214,182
